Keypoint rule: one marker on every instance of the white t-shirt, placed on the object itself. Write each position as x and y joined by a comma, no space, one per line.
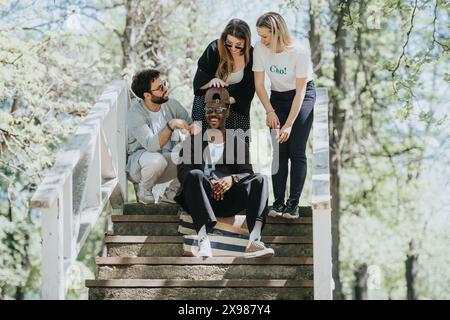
215,151
283,68
159,122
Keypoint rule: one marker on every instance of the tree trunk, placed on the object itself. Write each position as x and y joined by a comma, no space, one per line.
360,290
15,104
142,34
10,214
335,202
337,136
411,264
128,42
315,40
19,295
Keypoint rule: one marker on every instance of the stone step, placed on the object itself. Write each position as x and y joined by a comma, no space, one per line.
176,218
151,209
216,268
206,272
202,261
172,246
160,289
174,209
167,225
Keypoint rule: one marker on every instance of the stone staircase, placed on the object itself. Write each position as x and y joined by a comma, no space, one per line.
145,261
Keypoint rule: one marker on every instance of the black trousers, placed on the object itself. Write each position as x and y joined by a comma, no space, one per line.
295,148
250,193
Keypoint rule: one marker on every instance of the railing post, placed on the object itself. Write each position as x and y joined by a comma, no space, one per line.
323,281
122,137
94,176
70,227
53,273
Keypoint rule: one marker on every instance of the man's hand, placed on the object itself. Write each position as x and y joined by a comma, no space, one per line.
220,187
178,124
194,129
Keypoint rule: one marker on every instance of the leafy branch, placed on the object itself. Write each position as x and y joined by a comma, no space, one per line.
445,47
407,40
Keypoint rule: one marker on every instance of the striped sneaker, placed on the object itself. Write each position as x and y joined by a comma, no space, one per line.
258,249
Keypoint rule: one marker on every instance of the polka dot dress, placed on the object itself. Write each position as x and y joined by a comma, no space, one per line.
234,121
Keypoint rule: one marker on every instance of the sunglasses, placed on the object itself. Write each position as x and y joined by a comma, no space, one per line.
229,46
217,110
161,86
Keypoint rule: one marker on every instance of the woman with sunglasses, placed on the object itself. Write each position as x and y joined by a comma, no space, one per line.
227,62
289,68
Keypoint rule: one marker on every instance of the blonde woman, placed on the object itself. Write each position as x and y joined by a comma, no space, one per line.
289,110
227,62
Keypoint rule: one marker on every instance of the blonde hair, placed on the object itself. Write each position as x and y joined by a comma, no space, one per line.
275,23
238,29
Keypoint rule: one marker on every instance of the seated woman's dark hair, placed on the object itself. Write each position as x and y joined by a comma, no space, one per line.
142,81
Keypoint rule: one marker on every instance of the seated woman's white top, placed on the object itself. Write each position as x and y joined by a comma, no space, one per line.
234,77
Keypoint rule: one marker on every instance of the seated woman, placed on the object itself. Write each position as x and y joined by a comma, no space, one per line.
217,179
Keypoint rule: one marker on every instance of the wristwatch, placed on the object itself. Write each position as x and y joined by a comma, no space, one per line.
168,126
234,178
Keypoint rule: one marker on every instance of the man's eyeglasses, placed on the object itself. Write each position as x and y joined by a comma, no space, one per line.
229,46
217,110
161,86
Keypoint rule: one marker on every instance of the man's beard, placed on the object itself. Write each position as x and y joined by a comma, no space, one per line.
159,100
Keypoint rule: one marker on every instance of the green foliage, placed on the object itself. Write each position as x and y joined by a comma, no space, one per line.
48,79
85,266
391,100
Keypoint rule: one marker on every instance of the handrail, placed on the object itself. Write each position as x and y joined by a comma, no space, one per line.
321,200
54,180
87,175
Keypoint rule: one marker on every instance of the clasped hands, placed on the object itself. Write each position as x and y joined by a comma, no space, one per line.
183,125
220,186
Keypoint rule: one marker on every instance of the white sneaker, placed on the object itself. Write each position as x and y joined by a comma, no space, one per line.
145,196
258,249
165,198
273,213
170,192
204,248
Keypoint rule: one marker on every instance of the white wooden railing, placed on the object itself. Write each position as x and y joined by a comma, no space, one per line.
87,177
321,200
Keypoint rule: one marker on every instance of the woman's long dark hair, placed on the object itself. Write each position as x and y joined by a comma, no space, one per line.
238,29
